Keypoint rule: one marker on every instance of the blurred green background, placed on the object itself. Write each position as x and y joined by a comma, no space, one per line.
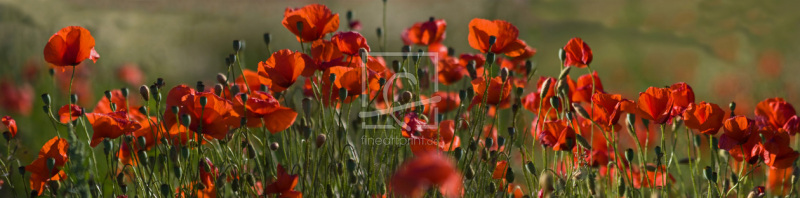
739,51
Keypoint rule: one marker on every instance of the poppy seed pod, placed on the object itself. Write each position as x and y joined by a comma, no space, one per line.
342,93
489,142
142,157
108,95
529,69
562,54
46,99
222,79
582,141
124,91
395,66
470,172
492,40
473,74
238,45
732,106
73,98
321,138
504,74
629,154
490,58
530,167
160,82
174,109
545,87
145,92
267,39
332,78
708,173
200,86
203,101
564,73
274,146
458,153
555,102
218,89
186,120
107,146
509,175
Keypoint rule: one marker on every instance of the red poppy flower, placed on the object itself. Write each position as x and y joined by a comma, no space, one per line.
682,96
450,70
317,21
777,153
505,33
704,117
465,59
440,49
448,101
16,98
212,119
429,169
252,82
557,134
350,42
324,53
282,69
104,105
738,130
151,130
70,46
498,90
607,109
130,74
526,54
264,106
55,148
779,114
532,101
70,110
431,139
779,180
284,186
110,125
41,175
578,53
355,25
500,170
425,33
655,104
583,88
10,125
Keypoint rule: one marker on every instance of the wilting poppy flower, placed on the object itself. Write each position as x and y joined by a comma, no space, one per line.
655,104
505,33
317,21
448,101
261,105
777,153
282,69
16,98
497,90
500,170
583,88
425,33
737,131
70,46
110,125
682,96
284,186
10,125
578,53
350,42
607,109
779,180
450,70
130,74
779,114
557,134
704,117
416,175
69,111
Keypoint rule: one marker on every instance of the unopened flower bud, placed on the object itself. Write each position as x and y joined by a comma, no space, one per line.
222,79
492,40
470,174
46,99
529,68
267,39
545,87
489,142
564,73
458,153
406,97
73,98
145,92
200,86
629,154
218,89
186,120
203,101
562,54
379,31
504,74
364,54
490,58
555,102
238,45
274,146
473,73
321,138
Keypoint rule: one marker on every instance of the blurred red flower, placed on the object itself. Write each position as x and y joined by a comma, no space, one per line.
682,96
425,33
778,114
284,186
10,126
69,111
16,99
497,92
424,170
111,125
131,74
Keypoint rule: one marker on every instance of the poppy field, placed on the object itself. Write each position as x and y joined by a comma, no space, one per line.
335,110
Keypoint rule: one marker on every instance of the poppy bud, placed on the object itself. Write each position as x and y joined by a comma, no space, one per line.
406,97
274,146
218,89
715,142
267,38
351,165
21,170
509,175
564,73
732,106
200,86
491,188
142,141
107,146
238,45
145,92
555,102
473,73
222,79
658,151
504,74
562,54
300,27
342,93
203,101
458,153
545,87
73,98
470,172
166,191
51,163
46,99
512,131
142,157
379,31
186,120
251,152
629,155
489,142
530,167
121,179
321,138
582,141
529,67
492,40
113,106
306,106
501,141
490,58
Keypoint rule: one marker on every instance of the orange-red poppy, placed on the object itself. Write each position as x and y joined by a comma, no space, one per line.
130,74
450,70
104,105
778,114
40,175
500,170
558,135
465,59
432,139
211,120
261,105
282,69
578,53
350,42
704,117
655,104
55,148
416,175
317,20
448,101
111,125
682,96
252,82
498,90
284,185
16,98
583,88
10,125
425,33
607,109
777,153
532,101
70,46
739,137
438,48
69,111
779,180
505,33
325,52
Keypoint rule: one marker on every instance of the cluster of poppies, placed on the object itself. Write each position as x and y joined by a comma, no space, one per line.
453,140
